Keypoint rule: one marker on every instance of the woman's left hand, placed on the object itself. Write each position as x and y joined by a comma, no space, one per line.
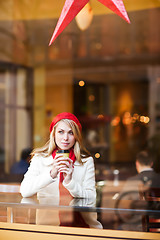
67,173
66,167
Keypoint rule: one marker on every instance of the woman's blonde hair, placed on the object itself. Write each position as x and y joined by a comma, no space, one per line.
79,150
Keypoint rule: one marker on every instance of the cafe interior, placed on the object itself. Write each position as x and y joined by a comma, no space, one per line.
104,70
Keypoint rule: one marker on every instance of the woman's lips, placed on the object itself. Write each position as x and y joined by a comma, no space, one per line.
66,144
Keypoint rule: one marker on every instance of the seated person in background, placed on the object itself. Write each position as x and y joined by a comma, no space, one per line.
21,167
146,178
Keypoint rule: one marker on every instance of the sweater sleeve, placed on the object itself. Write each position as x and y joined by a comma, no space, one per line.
35,179
86,189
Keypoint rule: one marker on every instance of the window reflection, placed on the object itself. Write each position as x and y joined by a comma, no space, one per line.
107,75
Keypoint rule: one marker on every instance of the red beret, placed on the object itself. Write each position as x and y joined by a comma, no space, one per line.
65,115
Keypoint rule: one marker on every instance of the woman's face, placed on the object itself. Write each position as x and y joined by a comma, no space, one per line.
64,136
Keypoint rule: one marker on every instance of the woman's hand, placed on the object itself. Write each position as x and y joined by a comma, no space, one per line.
67,171
64,165
55,166
54,172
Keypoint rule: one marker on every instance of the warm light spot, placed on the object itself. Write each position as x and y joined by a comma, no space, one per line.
100,116
115,121
81,83
136,116
125,102
97,155
147,119
127,118
144,119
84,17
91,98
133,120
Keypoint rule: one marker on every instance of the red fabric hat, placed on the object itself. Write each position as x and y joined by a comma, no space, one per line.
65,115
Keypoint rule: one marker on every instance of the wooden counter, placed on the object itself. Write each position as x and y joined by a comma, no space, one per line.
30,219
32,232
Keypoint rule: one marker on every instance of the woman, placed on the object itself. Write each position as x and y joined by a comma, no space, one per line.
43,175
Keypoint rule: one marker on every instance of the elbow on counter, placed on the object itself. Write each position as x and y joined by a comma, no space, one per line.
24,192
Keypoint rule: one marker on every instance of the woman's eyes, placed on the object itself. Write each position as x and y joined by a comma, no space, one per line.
62,132
71,133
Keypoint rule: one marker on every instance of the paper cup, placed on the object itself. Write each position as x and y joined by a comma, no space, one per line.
65,153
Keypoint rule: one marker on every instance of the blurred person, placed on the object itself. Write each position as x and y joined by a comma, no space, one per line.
146,178
145,185
48,169
21,167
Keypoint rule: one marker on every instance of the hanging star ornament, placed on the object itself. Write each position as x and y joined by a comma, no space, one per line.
73,7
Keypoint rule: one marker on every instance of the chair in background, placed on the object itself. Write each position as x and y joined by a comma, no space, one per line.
151,221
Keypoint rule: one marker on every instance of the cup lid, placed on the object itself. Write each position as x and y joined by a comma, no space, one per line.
62,151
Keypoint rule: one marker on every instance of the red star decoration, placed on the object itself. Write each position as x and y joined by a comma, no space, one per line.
73,7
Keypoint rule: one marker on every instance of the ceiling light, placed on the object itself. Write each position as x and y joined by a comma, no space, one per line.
84,17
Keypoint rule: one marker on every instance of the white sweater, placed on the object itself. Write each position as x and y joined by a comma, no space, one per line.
38,179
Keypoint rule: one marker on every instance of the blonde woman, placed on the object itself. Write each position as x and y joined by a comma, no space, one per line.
77,171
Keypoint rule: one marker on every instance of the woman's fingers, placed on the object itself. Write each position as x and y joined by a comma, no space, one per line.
66,168
64,165
63,161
